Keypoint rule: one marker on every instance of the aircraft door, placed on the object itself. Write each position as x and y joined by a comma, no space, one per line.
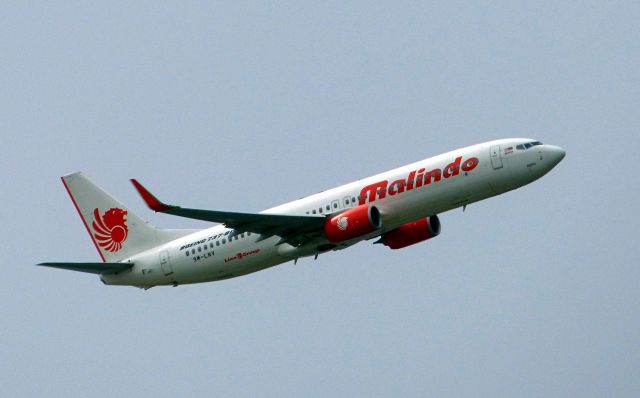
165,263
496,161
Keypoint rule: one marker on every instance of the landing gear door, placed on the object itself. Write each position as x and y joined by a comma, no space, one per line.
165,263
496,161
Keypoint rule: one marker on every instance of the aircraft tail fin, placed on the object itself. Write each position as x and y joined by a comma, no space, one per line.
116,231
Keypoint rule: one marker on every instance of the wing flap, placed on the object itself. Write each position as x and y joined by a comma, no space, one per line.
92,268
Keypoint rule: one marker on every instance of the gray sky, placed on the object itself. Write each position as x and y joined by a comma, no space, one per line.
244,106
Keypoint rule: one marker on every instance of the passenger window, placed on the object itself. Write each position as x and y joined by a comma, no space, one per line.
224,241
193,251
217,243
314,211
199,249
346,202
335,205
320,210
353,200
187,253
328,208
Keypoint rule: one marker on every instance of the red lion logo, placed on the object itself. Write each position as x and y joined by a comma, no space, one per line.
110,229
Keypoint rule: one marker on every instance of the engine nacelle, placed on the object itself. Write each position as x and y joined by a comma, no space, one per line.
411,233
353,223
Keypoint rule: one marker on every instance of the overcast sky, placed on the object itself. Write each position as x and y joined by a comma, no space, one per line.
245,106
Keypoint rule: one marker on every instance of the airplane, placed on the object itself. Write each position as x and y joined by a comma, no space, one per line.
398,208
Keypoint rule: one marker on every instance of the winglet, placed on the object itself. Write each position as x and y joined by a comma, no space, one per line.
151,201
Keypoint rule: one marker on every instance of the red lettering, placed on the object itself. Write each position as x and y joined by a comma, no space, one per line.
433,175
419,178
396,187
412,175
453,169
379,189
470,164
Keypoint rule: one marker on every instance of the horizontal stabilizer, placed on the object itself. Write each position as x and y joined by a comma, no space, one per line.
92,268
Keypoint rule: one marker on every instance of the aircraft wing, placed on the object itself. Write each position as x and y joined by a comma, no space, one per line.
92,268
294,229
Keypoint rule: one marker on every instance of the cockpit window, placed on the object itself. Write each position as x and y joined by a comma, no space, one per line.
528,145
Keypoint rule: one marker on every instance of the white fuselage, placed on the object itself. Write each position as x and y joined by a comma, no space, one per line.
402,195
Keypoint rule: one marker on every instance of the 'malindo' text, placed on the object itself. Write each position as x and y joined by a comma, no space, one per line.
415,179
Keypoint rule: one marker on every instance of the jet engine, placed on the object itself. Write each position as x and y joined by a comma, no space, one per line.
411,233
353,223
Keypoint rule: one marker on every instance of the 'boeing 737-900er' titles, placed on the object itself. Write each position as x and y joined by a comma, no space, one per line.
399,207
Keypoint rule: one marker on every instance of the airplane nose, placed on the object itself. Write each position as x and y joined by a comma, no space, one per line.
555,154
